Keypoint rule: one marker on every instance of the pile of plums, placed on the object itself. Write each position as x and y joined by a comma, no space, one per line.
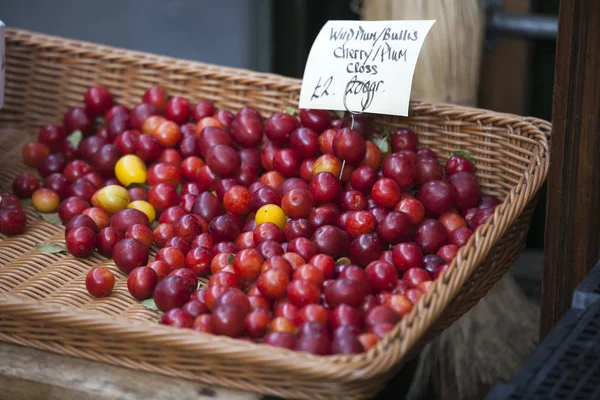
312,238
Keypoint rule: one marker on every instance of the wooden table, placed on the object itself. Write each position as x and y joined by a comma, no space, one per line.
29,374
572,238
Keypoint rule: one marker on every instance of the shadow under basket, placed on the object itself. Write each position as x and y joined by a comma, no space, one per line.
43,300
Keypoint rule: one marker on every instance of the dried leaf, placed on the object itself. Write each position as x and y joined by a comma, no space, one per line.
340,114
343,260
289,110
150,304
50,248
382,143
52,218
75,138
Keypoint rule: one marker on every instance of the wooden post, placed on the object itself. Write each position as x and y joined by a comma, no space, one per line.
573,208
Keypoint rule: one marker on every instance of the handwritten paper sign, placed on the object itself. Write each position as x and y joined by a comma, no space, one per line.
2,64
363,66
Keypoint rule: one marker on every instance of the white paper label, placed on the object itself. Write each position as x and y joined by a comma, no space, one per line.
2,64
363,66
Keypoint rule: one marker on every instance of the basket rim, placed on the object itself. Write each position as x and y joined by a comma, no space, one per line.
396,343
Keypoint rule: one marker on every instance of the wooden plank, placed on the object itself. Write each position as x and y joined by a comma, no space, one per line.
505,70
573,207
29,374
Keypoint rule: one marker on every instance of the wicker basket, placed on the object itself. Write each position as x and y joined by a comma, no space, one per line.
43,300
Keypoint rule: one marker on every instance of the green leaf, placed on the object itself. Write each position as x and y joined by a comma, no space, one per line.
382,143
340,114
26,202
150,304
52,218
343,260
178,189
143,185
50,248
464,154
289,110
75,138
154,225
230,259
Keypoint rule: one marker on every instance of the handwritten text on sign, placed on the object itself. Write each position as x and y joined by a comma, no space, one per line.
363,66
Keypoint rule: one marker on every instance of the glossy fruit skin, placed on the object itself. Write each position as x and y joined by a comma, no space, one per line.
45,200
123,219
279,127
246,130
70,207
129,254
113,198
52,136
247,264
98,100
466,189
407,255
33,153
297,203
188,276
457,164
360,222
223,228
344,291
156,96
318,120
401,169
415,276
141,233
325,187
81,241
141,282
82,188
386,192
147,148
187,227
57,182
24,185
177,318
9,200
140,113
436,197
404,139
395,227
13,220
77,119
199,260
171,292
382,275
130,169
162,196
304,141
272,283
51,164
99,282
223,160
106,240
331,240
313,344
302,292
81,220
365,248
431,235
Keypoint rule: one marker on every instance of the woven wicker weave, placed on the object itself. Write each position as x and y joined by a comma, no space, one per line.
43,300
